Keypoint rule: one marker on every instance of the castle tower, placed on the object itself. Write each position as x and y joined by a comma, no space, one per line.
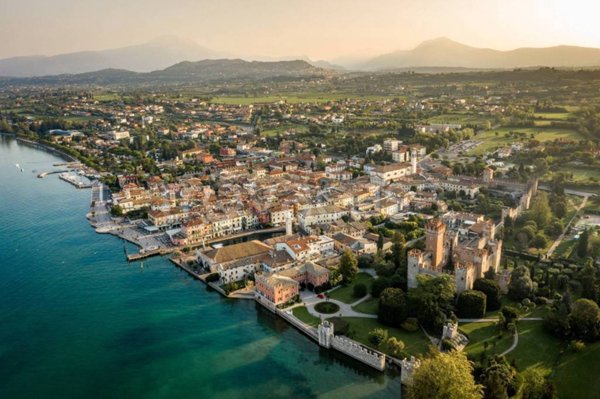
488,175
408,367
435,230
325,332
413,160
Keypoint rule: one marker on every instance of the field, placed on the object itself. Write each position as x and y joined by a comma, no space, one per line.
576,375
459,118
582,174
491,140
302,313
292,98
359,328
536,348
369,306
484,337
345,293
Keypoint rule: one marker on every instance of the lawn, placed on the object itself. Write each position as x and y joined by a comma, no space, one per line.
359,328
491,142
292,98
369,306
584,174
346,293
555,116
481,334
576,376
459,118
302,313
534,311
537,348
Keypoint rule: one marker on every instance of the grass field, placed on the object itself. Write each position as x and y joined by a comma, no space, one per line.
481,334
582,174
359,328
576,376
345,293
490,141
369,306
292,98
537,348
554,116
302,313
459,118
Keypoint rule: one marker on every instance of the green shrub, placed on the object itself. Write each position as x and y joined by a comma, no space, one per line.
213,277
359,290
378,336
471,304
411,324
327,307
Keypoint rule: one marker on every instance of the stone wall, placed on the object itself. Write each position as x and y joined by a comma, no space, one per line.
359,352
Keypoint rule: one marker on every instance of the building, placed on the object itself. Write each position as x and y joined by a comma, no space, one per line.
386,174
275,288
235,262
117,135
461,244
310,217
391,145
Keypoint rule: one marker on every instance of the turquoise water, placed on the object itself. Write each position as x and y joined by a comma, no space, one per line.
76,320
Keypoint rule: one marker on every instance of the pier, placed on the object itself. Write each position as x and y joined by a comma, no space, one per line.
147,254
74,180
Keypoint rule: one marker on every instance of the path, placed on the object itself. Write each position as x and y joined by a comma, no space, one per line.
562,235
310,300
514,344
492,320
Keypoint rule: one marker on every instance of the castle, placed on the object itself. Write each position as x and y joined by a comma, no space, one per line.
463,244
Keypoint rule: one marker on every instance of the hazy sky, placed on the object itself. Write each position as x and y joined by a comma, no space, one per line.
320,29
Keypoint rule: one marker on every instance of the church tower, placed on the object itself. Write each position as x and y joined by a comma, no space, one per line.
435,230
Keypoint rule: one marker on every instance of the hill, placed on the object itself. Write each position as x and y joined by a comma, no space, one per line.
444,52
156,54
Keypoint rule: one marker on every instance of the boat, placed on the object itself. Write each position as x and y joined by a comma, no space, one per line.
18,166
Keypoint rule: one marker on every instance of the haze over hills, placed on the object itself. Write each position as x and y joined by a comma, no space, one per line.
154,55
443,52
442,55
220,70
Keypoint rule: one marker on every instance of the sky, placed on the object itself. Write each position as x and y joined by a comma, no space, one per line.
319,29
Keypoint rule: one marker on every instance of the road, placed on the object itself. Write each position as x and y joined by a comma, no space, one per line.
557,242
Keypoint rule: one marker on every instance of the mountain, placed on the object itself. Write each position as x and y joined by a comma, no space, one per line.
221,70
156,54
444,52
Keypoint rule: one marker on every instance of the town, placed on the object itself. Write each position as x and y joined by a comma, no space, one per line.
378,225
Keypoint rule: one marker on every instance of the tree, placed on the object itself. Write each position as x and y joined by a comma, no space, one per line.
471,304
535,386
378,336
582,244
348,266
398,249
587,278
392,307
521,285
499,379
380,242
444,376
380,284
491,289
540,210
359,291
116,210
395,346
432,302
585,319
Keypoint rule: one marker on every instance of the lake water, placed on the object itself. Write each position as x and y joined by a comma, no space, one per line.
76,320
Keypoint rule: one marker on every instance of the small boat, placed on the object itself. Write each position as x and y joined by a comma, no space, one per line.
18,166
22,170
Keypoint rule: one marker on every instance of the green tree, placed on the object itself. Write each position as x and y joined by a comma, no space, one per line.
380,242
359,290
582,244
491,289
585,319
499,379
395,346
540,210
471,304
535,386
444,376
378,336
521,285
392,307
348,266
116,210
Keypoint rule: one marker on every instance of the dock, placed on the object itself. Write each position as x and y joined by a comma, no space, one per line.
147,254
74,181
